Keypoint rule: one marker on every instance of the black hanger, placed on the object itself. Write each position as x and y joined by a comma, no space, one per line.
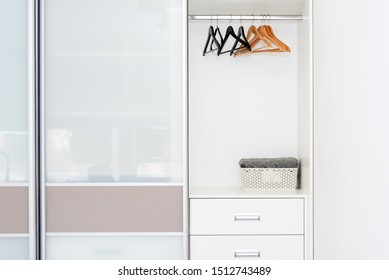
243,40
245,46
217,32
212,35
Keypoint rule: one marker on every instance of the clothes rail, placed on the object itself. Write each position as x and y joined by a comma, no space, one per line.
245,17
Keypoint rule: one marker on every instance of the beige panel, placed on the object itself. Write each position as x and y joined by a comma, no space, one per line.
14,210
114,209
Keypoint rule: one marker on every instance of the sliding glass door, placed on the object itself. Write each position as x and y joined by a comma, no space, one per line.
14,171
93,129
113,119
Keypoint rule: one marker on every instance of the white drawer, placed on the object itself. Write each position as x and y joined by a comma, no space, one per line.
246,216
247,247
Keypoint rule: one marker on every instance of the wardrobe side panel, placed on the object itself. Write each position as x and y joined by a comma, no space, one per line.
304,99
305,118
351,130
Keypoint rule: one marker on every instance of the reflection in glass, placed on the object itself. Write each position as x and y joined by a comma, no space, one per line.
13,91
13,125
113,91
13,156
113,113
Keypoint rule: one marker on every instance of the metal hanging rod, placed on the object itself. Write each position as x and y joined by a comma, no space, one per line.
245,17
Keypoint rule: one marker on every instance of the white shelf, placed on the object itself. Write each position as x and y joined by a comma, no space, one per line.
219,192
224,7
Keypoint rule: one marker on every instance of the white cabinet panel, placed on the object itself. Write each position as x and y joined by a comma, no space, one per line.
246,216
247,247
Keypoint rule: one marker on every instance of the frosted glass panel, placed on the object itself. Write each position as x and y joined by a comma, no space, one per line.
13,91
14,248
113,90
114,248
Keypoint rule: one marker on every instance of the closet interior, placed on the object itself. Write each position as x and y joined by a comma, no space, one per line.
257,105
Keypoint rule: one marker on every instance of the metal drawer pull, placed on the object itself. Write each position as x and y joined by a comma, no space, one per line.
247,217
247,254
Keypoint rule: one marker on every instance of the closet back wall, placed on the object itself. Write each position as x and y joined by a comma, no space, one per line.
239,107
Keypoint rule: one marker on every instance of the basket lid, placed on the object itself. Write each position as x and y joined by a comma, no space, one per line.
288,162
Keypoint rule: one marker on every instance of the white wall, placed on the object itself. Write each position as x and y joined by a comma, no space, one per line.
351,129
239,107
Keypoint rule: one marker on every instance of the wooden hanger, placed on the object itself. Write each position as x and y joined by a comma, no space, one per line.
265,34
267,31
256,38
282,45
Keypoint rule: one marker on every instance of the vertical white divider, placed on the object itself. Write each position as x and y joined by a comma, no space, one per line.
185,153
41,121
31,128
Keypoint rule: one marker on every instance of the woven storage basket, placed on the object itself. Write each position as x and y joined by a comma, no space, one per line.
269,178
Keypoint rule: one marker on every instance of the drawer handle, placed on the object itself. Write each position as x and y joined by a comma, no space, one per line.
247,217
247,254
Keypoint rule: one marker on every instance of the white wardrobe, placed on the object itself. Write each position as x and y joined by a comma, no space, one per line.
141,134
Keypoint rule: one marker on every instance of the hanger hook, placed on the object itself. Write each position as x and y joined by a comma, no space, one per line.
230,18
211,19
269,18
240,19
252,22
263,18
217,21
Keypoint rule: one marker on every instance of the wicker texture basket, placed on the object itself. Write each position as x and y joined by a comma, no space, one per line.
269,173
269,178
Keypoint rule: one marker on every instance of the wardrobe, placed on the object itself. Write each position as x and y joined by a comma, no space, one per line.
119,139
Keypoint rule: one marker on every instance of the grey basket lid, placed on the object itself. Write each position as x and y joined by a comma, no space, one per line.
288,162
